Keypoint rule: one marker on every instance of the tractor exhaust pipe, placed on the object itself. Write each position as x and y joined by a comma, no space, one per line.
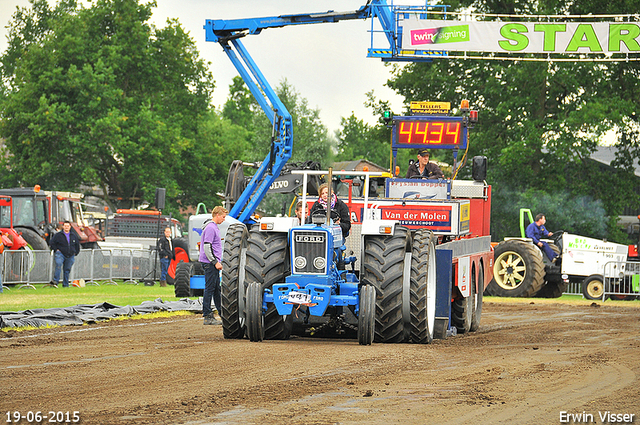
329,185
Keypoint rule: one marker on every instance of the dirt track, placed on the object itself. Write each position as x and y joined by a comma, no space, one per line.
526,365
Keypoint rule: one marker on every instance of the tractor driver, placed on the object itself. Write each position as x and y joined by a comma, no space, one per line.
339,210
535,231
423,168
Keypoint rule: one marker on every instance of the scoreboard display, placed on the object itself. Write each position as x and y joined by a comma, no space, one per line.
434,133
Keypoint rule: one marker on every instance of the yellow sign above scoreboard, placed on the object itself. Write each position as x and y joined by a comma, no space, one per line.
430,107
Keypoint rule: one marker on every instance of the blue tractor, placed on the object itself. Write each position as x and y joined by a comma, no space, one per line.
281,277
317,285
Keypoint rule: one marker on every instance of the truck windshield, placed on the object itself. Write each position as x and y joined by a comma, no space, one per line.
76,212
41,212
23,212
5,216
65,211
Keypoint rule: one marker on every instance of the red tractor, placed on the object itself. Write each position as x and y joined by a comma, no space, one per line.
11,239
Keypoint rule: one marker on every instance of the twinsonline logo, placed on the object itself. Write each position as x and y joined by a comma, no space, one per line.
454,34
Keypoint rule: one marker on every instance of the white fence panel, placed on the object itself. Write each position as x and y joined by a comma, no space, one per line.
621,280
27,267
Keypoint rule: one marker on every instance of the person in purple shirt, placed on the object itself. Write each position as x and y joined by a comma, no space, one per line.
65,246
210,256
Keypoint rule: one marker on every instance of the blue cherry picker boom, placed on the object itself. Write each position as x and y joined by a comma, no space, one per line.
280,268
228,33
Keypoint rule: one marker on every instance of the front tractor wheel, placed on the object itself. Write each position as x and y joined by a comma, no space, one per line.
268,263
255,318
593,287
367,315
232,285
518,270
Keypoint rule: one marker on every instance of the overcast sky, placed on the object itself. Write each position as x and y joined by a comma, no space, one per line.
325,63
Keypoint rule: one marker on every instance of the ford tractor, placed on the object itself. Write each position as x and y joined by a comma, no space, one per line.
303,278
418,254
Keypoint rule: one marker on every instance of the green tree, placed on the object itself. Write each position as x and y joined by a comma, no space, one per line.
311,141
100,97
359,140
540,121
204,163
240,107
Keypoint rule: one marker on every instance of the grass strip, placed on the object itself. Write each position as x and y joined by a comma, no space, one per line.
43,296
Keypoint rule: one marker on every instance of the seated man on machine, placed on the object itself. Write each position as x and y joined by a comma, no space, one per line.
423,168
535,231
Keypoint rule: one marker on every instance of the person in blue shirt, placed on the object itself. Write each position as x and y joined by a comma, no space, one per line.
535,231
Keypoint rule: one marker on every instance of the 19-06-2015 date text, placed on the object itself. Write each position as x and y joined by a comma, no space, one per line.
43,417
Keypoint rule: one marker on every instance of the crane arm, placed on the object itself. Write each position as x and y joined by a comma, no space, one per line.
228,34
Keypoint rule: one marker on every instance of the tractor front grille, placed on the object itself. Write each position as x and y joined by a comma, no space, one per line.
309,252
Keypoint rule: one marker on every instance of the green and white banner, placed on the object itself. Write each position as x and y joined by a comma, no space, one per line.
522,37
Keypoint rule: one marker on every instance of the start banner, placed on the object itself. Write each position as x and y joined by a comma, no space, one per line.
522,37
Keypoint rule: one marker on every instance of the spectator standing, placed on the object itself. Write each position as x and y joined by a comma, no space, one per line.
210,256
165,252
66,246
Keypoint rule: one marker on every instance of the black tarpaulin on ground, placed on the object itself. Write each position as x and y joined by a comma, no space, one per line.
86,313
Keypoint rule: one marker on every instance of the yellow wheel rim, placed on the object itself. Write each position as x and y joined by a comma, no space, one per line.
595,288
509,270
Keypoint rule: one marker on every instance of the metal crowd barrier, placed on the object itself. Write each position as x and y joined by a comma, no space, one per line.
628,287
621,280
24,268
574,288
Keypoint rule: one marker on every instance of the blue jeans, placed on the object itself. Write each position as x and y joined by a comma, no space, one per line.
211,288
65,264
164,267
547,250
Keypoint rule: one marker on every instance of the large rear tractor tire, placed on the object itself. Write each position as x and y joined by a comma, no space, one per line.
233,276
182,282
34,240
268,263
593,287
383,267
422,287
477,311
255,318
367,315
518,270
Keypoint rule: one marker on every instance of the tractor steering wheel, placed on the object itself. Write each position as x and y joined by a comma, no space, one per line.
556,236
